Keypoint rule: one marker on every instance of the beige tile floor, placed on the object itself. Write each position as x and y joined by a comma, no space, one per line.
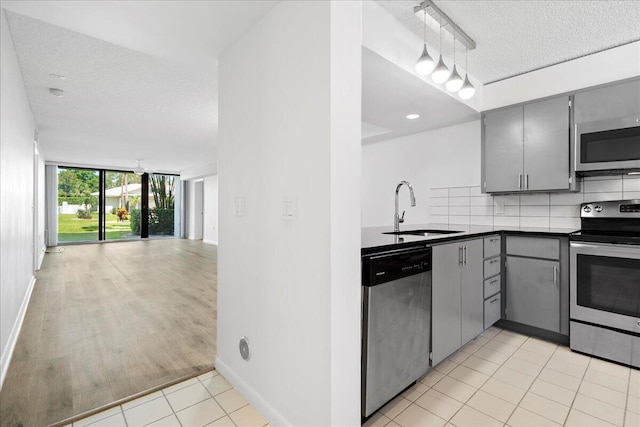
506,379
499,379
204,400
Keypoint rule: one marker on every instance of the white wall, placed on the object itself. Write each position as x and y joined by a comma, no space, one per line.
608,66
291,131
443,157
210,232
16,198
194,210
41,210
199,171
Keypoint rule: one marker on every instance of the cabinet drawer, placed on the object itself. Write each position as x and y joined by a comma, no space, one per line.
491,246
491,266
491,286
491,310
536,247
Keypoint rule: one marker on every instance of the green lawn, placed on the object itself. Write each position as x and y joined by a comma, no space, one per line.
73,229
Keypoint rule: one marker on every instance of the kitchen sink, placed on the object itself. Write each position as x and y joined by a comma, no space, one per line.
425,233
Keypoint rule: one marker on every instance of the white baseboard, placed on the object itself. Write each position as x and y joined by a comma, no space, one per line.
15,332
41,259
211,242
257,401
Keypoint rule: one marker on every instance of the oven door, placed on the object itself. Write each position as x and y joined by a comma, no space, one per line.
605,285
608,145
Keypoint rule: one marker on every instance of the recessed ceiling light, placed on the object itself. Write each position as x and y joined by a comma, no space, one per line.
413,116
57,76
56,92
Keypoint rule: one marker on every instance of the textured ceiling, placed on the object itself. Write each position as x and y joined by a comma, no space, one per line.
389,93
515,37
119,104
141,77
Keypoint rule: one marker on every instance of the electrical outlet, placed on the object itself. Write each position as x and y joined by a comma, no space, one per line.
498,208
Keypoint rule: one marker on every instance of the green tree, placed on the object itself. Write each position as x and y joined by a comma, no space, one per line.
77,182
163,188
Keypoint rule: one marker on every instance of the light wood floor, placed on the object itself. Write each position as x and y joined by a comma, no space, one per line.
107,321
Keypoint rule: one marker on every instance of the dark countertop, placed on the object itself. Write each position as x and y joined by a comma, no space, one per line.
373,240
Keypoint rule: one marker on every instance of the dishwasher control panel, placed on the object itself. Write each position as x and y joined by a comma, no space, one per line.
385,267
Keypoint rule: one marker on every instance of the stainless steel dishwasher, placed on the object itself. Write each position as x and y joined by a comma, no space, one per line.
396,323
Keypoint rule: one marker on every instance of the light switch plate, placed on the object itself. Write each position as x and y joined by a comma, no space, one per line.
238,206
498,208
289,208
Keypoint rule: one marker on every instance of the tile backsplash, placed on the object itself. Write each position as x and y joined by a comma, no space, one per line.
467,206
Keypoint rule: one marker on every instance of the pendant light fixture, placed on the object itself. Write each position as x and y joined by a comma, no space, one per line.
455,81
441,72
425,63
138,170
467,90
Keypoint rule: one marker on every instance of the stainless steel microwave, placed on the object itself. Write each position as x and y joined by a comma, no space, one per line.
612,144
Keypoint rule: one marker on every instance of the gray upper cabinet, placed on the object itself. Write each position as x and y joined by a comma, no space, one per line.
546,145
608,102
527,147
503,150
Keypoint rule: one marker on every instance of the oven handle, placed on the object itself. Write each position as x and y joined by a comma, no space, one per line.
605,249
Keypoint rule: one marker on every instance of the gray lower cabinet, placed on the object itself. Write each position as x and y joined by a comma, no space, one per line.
492,280
457,299
533,292
537,282
527,147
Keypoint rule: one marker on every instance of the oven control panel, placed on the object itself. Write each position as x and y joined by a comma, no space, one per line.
632,208
611,209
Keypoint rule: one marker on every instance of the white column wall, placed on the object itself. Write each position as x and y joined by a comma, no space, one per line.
210,232
281,283
16,198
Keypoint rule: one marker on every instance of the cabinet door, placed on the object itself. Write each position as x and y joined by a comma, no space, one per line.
472,291
503,149
533,292
446,301
546,145
609,102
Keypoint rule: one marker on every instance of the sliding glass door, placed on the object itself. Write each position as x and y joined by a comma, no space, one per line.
123,201
78,215
98,204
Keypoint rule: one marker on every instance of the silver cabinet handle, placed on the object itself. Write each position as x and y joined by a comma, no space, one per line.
493,261
465,255
519,180
460,255
493,301
493,281
494,239
555,275
526,181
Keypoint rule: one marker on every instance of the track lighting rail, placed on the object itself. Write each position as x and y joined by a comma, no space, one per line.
447,23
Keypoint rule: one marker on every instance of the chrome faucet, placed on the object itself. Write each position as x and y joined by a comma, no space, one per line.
397,219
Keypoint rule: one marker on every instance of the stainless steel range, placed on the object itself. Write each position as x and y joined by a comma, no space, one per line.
605,282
